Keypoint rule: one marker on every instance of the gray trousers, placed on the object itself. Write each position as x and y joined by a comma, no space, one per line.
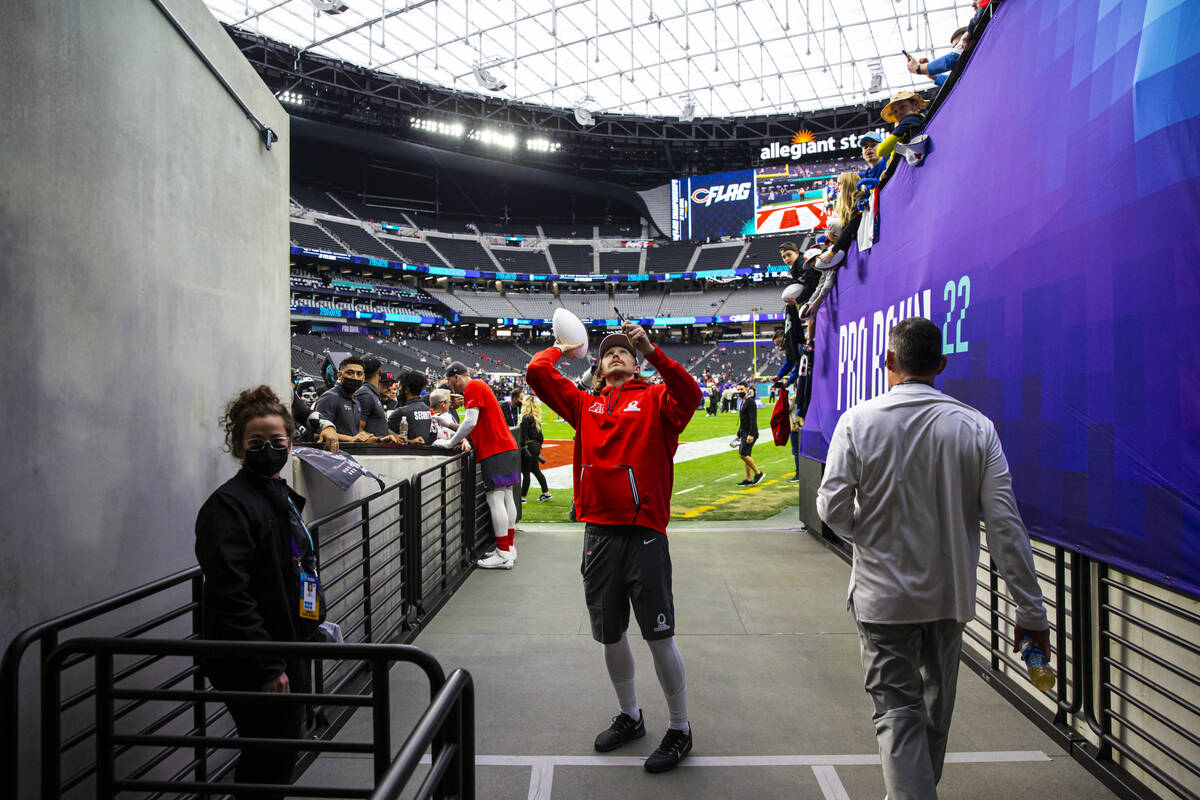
911,678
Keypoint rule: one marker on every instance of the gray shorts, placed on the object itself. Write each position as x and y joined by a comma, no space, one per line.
624,565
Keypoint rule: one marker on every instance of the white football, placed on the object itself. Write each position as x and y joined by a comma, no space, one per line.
838,258
567,329
793,291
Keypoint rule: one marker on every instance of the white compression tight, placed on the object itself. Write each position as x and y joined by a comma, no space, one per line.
504,511
618,657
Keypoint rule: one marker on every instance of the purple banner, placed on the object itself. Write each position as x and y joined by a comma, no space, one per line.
1054,234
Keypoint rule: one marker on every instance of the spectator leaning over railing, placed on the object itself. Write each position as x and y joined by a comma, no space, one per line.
499,461
938,69
906,111
870,153
370,400
313,428
530,441
339,406
261,582
444,425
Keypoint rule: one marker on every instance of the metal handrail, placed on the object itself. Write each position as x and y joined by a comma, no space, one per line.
456,738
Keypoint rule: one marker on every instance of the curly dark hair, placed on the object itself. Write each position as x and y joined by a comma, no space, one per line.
250,404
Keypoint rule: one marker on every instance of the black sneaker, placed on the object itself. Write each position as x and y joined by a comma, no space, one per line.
745,482
794,479
624,729
757,478
674,748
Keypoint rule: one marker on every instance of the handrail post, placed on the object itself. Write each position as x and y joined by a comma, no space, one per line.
365,530
995,641
381,717
51,722
105,757
412,549
1104,621
1060,634
199,709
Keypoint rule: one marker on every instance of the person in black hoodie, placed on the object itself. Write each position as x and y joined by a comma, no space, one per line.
261,581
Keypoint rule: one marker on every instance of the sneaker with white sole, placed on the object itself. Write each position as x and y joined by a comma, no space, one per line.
758,478
545,496
497,559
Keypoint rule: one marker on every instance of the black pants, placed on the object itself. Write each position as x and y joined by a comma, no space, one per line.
531,466
263,721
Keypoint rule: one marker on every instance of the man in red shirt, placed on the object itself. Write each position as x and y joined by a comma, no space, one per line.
625,442
497,457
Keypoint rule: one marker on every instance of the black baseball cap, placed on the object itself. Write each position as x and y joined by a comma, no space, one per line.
387,378
457,368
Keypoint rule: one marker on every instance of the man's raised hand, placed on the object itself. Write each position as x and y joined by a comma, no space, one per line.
637,337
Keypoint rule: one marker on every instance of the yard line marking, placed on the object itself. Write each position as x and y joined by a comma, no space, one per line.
541,782
830,783
819,760
685,491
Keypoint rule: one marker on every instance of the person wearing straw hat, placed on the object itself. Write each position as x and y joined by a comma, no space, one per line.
906,110
625,443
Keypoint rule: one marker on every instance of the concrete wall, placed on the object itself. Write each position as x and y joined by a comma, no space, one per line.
143,280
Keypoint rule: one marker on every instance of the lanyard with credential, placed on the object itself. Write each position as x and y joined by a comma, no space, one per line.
311,547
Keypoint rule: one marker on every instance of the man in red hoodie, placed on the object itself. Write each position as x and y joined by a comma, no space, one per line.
625,442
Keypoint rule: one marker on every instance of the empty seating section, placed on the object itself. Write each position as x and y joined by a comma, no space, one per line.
595,305
452,301
556,230
638,304
694,304
414,252
722,257
306,362
359,240
509,229
534,306
488,304
372,211
521,259
313,237
572,258
463,253
316,200
623,230
669,258
765,298
688,355
624,261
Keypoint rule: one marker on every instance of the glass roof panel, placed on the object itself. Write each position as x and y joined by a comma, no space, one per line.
727,58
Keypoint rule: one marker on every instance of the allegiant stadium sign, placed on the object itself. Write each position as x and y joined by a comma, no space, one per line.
804,143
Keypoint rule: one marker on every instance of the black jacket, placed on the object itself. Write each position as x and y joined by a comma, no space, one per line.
748,419
530,438
251,579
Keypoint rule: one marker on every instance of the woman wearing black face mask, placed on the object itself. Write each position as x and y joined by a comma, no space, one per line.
261,580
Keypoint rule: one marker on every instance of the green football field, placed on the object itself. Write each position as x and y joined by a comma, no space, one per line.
705,488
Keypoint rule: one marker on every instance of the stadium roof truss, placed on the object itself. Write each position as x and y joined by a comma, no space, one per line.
714,59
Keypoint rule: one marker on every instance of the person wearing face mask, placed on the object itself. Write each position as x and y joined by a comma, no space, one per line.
261,581
341,407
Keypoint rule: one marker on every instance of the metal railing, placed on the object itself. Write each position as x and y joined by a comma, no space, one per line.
389,562
116,702
1127,701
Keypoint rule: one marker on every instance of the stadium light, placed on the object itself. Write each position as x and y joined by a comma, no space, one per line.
505,140
584,117
291,98
876,76
543,145
455,129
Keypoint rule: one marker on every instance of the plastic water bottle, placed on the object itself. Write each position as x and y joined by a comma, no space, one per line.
1040,673
404,427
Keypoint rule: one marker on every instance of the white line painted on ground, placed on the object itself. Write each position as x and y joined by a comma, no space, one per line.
541,782
830,783
685,491
825,760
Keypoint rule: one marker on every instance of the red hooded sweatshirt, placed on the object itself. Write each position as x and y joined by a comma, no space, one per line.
625,439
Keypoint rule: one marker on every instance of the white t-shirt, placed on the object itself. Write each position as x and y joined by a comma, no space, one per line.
442,426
